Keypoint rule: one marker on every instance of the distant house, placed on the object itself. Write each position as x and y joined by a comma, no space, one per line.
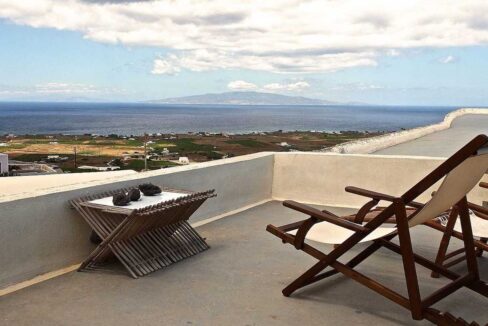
53,143
183,160
133,156
3,163
99,168
56,158
284,144
3,144
162,156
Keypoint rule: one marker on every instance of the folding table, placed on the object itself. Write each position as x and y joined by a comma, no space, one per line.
145,236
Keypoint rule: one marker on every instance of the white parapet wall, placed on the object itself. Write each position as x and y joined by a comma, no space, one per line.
3,163
25,186
41,234
320,178
373,144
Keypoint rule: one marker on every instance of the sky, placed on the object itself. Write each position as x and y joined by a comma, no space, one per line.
377,52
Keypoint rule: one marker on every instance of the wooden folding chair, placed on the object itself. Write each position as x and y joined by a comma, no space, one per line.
460,173
451,227
146,239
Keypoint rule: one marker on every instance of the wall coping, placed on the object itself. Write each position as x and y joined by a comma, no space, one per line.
114,176
373,144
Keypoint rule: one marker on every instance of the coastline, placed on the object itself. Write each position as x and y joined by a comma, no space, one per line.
136,119
65,153
68,153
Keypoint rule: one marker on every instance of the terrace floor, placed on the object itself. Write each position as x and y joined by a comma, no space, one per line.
237,282
445,142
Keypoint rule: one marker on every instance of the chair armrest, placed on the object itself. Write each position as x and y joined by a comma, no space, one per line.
365,209
484,185
318,214
482,211
415,204
372,194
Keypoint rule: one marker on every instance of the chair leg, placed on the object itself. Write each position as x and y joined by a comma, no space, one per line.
302,280
468,238
479,251
408,262
309,275
446,238
356,260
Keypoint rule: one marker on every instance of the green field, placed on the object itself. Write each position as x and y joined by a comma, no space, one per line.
188,145
247,143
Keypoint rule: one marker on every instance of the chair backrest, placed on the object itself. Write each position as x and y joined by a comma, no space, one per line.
457,183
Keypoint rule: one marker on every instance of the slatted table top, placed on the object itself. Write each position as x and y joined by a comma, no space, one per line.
106,203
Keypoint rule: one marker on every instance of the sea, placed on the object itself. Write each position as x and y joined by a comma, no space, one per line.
138,118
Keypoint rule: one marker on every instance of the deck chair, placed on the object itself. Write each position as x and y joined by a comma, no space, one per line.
450,225
460,173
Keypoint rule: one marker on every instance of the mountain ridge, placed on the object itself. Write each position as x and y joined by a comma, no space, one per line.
244,98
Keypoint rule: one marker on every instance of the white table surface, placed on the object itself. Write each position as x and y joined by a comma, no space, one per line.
143,202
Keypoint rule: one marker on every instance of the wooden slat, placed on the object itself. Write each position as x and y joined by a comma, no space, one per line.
150,239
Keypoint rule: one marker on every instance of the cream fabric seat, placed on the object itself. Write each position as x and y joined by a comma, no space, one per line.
332,234
479,226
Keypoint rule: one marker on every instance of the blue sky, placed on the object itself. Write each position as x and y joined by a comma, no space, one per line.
44,58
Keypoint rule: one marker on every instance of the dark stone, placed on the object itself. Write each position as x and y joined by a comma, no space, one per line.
134,194
148,189
121,199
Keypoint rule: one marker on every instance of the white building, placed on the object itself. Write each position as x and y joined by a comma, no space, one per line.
3,163
99,168
183,160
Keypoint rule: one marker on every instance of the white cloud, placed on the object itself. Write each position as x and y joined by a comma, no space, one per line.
241,85
356,87
297,86
167,66
65,88
287,36
393,53
57,89
448,59
291,87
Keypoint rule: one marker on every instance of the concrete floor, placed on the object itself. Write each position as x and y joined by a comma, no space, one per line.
443,143
237,282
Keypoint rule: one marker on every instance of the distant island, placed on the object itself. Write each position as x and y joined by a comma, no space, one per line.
246,98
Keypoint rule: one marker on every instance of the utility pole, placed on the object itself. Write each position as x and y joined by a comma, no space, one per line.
75,156
145,151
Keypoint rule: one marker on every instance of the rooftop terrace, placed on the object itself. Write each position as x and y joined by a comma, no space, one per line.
239,280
